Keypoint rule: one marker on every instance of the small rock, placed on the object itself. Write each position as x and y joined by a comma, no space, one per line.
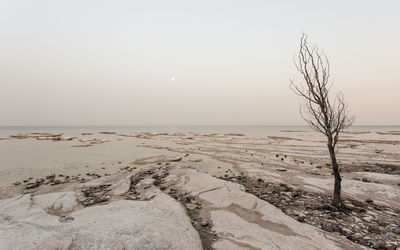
396,230
204,223
190,206
367,218
32,185
379,245
349,205
301,218
391,246
382,223
176,159
374,229
390,237
281,169
329,227
358,236
367,238
365,180
369,201
50,177
337,215
195,160
347,231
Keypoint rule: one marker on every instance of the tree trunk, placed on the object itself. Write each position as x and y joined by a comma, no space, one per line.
336,201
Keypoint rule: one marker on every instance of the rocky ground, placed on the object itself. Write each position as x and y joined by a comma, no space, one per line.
219,191
365,223
139,210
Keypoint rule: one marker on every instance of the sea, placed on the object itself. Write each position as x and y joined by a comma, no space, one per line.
5,131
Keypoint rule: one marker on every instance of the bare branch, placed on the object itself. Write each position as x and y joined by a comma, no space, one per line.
318,110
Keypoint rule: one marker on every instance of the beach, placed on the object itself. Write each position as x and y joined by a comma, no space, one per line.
215,179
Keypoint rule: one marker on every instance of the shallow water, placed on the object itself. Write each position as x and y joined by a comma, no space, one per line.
23,158
6,131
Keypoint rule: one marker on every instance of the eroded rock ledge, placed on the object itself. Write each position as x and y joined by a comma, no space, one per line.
168,205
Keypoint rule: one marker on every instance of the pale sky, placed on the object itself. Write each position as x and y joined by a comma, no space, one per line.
190,62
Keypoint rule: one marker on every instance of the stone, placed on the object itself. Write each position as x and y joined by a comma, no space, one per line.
382,223
347,231
25,223
369,201
374,229
392,246
379,245
301,218
358,236
107,133
327,226
349,205
121,187
176,159
190,206
32,185
390,237
367,219
195,160
204,223
367,238
396,230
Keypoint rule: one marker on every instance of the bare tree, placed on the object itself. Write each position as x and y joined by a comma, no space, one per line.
321,114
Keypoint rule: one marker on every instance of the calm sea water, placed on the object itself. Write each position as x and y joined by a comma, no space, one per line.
5,131
20,159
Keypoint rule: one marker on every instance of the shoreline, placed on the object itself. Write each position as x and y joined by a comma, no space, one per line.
286,173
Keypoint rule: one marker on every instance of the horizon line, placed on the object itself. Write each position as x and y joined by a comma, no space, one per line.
206,125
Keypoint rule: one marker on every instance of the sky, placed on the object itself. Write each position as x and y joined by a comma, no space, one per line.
209,62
